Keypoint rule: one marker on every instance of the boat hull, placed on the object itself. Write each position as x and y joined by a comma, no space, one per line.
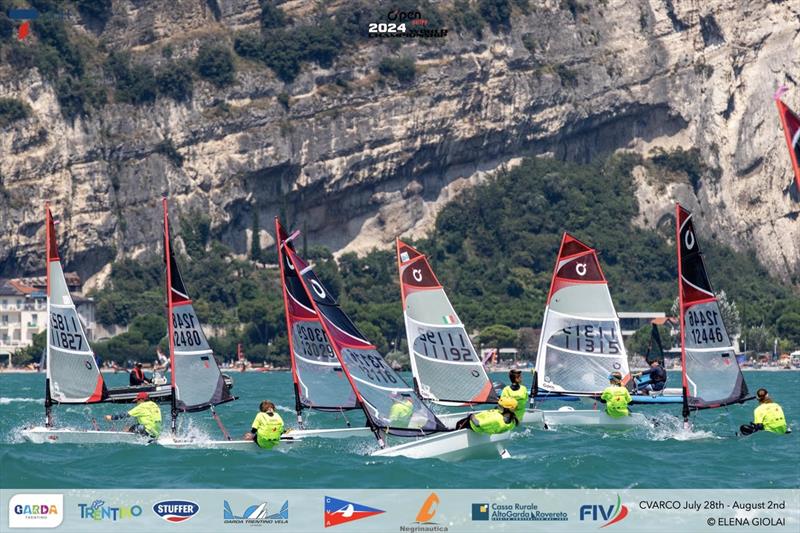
569,417
291,437
666,396
42,435
532,417
452,446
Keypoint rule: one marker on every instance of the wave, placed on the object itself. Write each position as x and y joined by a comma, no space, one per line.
6,401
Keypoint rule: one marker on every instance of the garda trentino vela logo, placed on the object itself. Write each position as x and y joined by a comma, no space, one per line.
611,513
35,510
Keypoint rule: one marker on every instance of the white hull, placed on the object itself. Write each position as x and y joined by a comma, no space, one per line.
293,436
532,417
41,435
452,446
587,417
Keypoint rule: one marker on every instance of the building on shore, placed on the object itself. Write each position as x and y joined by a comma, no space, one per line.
23,311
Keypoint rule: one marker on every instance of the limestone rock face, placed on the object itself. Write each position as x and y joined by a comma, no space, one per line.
358,158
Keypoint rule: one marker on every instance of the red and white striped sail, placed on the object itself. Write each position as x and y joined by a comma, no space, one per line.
196,378
319,381
71,368
446,368
711,373
791,128
581,343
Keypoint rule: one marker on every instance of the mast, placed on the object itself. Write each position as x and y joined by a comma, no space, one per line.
170,325
48,401
684,382
279,242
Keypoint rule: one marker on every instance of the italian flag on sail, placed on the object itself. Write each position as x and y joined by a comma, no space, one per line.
450,319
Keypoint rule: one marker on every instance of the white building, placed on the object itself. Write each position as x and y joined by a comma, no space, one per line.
23,312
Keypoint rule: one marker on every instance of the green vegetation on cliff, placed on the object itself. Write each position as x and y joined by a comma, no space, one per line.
493,248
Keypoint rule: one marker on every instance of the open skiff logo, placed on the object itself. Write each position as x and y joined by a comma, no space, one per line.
610,513
341,511
176,510
36,510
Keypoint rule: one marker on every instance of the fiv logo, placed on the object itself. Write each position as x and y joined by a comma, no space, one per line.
610,513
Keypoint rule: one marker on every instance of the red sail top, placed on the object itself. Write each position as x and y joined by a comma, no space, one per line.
52,245
694,284
577,263
791,128
176,290
415,271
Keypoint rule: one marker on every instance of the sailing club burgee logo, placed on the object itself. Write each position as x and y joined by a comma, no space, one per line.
176,510
341,511
35,510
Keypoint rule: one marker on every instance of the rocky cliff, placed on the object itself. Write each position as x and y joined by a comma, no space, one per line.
359,158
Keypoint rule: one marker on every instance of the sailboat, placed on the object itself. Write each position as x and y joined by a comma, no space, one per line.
73,376
377,387
320,384
580,343
655,352
710,373
791,128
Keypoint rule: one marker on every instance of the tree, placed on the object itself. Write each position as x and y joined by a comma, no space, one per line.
175,81
31,353
788,326
498,336
402,68
215,63
758,339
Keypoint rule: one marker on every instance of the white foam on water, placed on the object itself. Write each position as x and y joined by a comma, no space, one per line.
668,427
6,401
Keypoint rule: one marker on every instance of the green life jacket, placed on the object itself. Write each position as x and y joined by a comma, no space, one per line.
148,414
268,429
490,422
617,399
400,413
771,416
521,397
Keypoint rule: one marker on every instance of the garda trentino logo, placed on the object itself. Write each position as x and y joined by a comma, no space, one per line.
176,510
35,510
610,513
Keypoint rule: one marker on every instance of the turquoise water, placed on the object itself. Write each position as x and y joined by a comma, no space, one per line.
709,456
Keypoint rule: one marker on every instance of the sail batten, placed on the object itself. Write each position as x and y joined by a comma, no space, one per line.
710,372
445,365
581,341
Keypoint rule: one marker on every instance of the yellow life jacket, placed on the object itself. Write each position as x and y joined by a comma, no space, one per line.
148,414
771,416
268,429
400,413
490,422
617,399
521,397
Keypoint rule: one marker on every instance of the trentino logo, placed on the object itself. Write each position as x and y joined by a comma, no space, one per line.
256,515
35,510
98,510
341,511
611,513
176,510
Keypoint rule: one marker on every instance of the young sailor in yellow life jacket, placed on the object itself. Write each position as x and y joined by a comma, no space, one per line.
768,416
497,420
517,392
401,411
267,426
616,397
147,415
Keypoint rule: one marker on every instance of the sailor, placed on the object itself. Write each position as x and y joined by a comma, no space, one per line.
616,397
517,392
493,421
401,410
658,378
768,416
267,426
137,376
147,415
